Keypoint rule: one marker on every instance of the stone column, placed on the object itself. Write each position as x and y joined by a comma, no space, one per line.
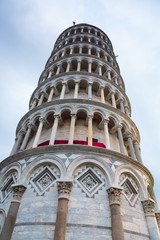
100,70
38,134
131,145
26,138
54,130
68,66
79,66
50,74
90,67
121,105
9,223
116,219
58,69
63,54
41,99
157,214
126,110
63,91
113,100
71,51
51,94
148,206
106,121
120,137
90,91
64,189
90,130
102,95
136,147
98,54
89,51
72,127
18,142
109,75
76,90
80,50
34,103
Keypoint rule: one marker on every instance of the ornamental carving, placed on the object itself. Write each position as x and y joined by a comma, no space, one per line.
158,218
148,206
114,195
64,187
18,192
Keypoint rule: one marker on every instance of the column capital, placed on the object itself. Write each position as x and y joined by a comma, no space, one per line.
18,190
21,132
106,120
127,134
73,115
148,206
31,125
89,117
114,195
64,189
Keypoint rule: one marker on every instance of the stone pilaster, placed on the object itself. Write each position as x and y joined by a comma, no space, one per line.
157,214
9,223
64,189
149,206
116,219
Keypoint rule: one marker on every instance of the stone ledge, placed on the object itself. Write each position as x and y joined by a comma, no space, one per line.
78,149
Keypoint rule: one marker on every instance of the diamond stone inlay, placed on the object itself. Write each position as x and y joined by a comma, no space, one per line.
89,181
43,180
130,190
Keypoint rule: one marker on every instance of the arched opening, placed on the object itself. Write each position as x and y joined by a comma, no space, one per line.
93,51
98,139
84,66
76,50
71,87
85,30
83,89
95,91
81,128
73,66
85,50
92,31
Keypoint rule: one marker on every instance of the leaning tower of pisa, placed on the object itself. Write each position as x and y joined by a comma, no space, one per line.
75,170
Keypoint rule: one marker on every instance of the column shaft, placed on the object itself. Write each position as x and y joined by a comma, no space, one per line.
106,134
26,138
121,105
131,147
63,91
90,131
102,95
90,91
76,90
38,134
41,99
79,66
17,144
121,143
51,94
89,67
113,100
72,127
54,131
34,104
136,147
10,220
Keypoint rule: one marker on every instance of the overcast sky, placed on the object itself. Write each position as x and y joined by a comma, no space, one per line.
28,30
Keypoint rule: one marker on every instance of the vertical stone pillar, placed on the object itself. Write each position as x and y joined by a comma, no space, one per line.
136,147
98,54
76,90
102,95
58,69
18,142
126,110
120,137
54,130
116,219
121,105
41,99
9,223
26,138
89,51
80,50
68,66
106,121
79,66
131,145
90,67
113,100
63,91
90,130
72,127
64,189
71,51
38,134
34,103
100,70
157,214
90,91
51,94
148,206
50,74
109,75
